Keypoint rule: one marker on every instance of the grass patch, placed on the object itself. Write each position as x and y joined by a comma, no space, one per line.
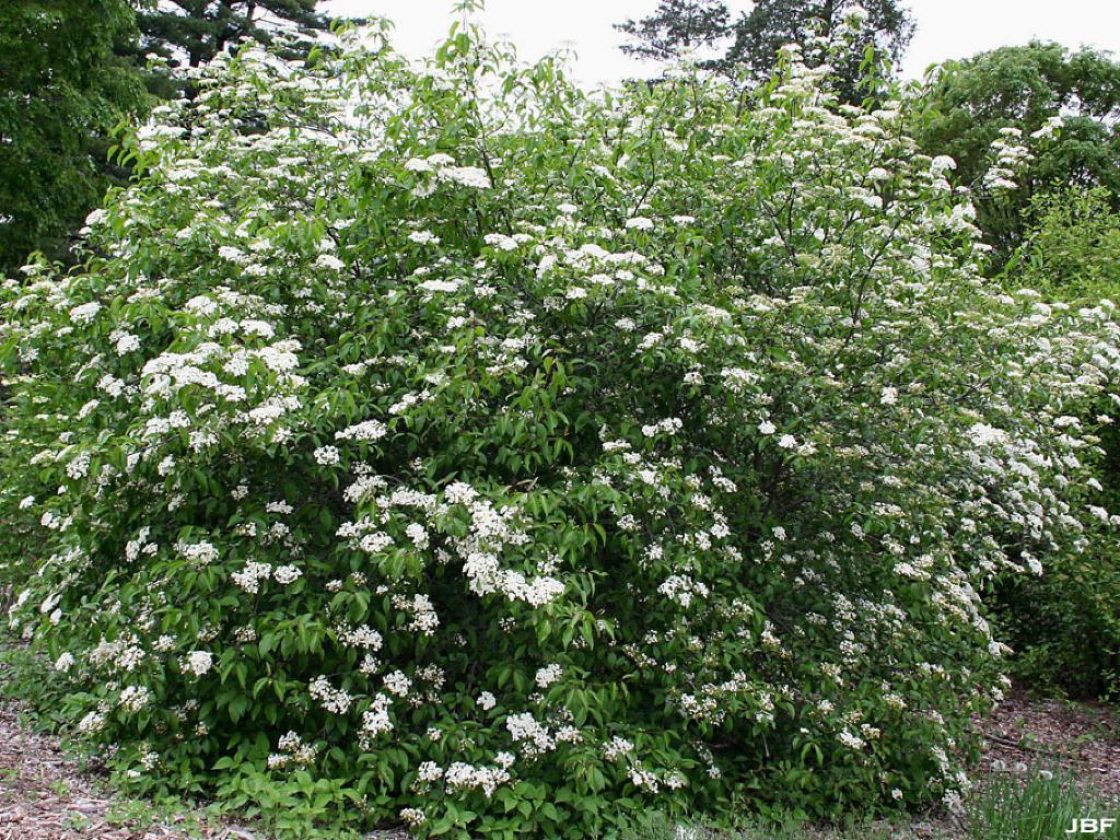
1037,805
657,827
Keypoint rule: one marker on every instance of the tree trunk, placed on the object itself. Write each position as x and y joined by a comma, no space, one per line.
828,13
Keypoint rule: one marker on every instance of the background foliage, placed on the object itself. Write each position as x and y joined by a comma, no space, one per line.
1023,87
65,82
1065,625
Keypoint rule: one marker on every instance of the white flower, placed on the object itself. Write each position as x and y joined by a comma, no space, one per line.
423,237
525,728
417,534
326,456
766,428
92,723
397,683
982,434
126,343
617,747
548,675
135,697
429,771
942,164
198,662
500,241
329,698
486,701
639,223
369,430
85,313
459,493
64,663
286,574
467,176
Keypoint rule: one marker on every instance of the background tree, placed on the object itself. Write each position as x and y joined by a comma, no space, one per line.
770,24
64,83
1024,87
197,30
676,26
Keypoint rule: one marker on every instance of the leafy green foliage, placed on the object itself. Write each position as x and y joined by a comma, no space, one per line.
457,447
1065,625
1073,248
181,35
64,85
971,101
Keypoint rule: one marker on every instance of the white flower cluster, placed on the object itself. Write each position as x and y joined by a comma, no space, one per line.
198,662
200,553
375,720
534,737
335,700
548,675
293,752
464,776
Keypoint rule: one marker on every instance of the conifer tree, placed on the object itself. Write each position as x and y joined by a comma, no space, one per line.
197,30
678,25
770,24
675,26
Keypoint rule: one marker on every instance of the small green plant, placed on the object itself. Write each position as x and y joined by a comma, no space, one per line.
37,689
1038,805
78,822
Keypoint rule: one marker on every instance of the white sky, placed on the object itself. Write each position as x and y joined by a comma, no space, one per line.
946,28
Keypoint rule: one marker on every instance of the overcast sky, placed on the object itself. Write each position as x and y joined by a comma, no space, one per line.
946,28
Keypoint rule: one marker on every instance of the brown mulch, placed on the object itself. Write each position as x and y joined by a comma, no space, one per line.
45,796
1081,739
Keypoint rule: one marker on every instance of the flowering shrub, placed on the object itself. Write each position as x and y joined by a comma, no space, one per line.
452,446
1065,625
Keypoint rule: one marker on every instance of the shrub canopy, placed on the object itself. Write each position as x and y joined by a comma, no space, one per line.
451,445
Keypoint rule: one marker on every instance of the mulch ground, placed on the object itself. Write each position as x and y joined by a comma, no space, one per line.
1083,740
45,796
